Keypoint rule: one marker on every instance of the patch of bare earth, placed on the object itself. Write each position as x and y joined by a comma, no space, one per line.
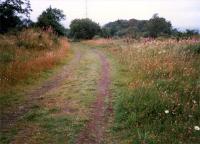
94,131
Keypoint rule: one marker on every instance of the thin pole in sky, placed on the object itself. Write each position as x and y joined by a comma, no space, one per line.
86,8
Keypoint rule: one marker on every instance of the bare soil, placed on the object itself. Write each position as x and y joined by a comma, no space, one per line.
94,131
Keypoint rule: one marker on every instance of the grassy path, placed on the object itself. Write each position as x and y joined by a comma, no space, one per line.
95,129
70,107
34,95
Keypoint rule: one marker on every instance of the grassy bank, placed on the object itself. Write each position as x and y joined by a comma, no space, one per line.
28,53
26,60
156,89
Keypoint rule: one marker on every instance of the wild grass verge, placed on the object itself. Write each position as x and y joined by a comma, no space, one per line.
157,91
24,59
28,53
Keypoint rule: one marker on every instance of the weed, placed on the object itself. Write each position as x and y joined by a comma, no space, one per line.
159,100
29,53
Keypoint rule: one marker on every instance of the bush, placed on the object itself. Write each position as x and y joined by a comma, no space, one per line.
83,29
36,39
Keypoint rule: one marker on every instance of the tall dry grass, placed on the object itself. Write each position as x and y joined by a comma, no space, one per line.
97,42
168,56
161,100
29,53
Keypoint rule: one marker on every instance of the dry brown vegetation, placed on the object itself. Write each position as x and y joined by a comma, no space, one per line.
29,53
160,103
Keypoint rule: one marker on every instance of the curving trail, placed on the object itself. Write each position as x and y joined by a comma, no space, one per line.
95,129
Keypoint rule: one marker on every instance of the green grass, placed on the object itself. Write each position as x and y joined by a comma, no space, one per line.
75,96
13,97
140,113
5,138
152,104
61,114
59,129
140,110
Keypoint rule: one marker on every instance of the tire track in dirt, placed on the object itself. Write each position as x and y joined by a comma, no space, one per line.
94,131
34,96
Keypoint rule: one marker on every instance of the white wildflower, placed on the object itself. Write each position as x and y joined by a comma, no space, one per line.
197,128
190,116
194,101
166,111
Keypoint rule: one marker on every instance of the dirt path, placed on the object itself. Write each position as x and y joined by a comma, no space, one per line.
79,91
33,96
95,129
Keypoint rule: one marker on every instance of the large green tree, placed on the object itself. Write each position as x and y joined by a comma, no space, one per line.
13,14
52,17
84,29
121,28
158,26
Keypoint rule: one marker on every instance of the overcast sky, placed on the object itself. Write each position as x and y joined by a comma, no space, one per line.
182,13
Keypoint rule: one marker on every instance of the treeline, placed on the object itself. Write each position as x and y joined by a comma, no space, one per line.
155,27
15,15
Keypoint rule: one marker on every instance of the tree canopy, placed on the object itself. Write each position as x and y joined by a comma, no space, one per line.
52,17
158,26
132,28
13,14
83,29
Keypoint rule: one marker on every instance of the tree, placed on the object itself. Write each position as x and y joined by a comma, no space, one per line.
106,32
84,29
13,13
132,28
158,26
191,32
52,17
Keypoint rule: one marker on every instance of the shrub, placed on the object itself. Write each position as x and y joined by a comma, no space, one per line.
83,29
37,39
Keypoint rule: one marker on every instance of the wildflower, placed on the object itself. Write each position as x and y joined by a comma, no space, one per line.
197,128
190,116
194,102
166,111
